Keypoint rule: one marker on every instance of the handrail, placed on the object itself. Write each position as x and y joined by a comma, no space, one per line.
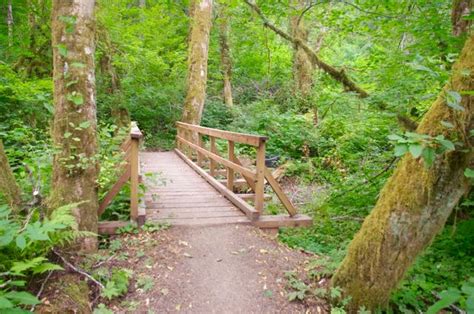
131,171
255,178
249,139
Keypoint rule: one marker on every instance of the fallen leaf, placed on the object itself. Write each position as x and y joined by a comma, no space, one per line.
164,291
263,251
235,253
188,255
178,307
219,260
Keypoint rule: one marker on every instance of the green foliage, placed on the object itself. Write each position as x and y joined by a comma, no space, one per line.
25,243
116,282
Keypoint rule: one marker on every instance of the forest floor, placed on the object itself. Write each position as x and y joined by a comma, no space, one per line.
213,269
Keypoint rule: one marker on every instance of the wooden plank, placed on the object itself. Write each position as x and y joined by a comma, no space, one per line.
230,171
251,213
276,221
251,196
114,191
192,215
279,192
260,178
212,166
249,139
239,183
220,159
227,209
250,181
205,221
134,166
188,205
110,227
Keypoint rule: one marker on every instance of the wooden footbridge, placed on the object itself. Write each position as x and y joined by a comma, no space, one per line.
196,184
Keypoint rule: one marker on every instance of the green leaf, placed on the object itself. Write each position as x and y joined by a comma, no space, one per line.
448,297
470,304
453,100
395,137
85,124
76,98
415,150
447,124
22,297
20,267
78,65
62,50
447,144
5,303
400,150
67,134
469,173
46,267
20,242
428,156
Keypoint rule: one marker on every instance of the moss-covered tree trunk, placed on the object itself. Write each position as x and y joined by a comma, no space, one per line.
461,9
9,189
197,60
226,61
75,167
415,202
302,66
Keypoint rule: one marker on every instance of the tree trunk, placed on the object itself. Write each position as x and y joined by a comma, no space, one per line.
302,66
337,75
197,61
461,9
10,23
9,190
226,61
75,168
415,202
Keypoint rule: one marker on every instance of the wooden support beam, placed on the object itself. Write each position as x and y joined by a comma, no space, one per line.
114,190
250,181
200,156
260,179
111,227
277,221
212,166
279,192
134,173
251,196
230,171
220,159
251,213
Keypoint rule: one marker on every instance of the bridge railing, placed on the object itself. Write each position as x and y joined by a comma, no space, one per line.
130,171
190,140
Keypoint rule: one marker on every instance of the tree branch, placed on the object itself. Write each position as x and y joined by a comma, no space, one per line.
339,76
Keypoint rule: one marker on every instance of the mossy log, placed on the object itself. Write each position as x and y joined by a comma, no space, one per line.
75,165
415,202
9,189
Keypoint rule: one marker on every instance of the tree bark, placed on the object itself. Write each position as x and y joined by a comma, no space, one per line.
75,168
415,202
9,189
197,61
339,76
461,9
226,61
302,66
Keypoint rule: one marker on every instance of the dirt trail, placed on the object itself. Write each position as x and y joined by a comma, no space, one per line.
218,269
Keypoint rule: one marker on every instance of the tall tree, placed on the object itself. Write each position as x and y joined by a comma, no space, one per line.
302,66
75,168
416,201
461,9
201,13
9,189
226,61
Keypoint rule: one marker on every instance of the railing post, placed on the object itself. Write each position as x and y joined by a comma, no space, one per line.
260,181
135,136
212,165
200,156
230,171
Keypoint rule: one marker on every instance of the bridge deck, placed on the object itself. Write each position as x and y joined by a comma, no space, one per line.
177,194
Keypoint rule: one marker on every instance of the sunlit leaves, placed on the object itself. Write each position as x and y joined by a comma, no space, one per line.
453,100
